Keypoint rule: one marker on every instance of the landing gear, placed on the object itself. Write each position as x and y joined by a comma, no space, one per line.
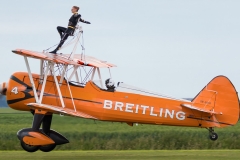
29,148
47,148
212,135
44,148
44,139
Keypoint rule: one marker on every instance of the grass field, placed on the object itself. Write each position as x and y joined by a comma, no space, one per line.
96,135
123,155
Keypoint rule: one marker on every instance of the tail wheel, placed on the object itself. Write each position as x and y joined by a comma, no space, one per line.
29,148
47,148
213,136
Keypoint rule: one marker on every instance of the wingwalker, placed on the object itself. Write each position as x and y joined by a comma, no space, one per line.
66,85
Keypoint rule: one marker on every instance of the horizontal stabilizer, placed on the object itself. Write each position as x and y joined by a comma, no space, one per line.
59,110
199,109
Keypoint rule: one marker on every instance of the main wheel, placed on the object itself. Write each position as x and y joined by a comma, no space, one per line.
47,148
213,136
29,148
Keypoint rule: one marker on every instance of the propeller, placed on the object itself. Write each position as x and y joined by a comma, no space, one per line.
3,88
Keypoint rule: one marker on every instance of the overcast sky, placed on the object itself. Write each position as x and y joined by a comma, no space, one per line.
169,46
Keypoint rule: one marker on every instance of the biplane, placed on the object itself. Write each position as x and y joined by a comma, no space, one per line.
60,88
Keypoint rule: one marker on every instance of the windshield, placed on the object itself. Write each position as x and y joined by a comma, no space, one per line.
98,83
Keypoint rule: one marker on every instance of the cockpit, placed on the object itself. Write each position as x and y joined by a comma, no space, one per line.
122,87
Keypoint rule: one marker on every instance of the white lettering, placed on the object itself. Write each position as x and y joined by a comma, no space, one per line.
129,107
15,90
169,113
118,105
136,108
151,112
107,104
181,116
144,109
160,114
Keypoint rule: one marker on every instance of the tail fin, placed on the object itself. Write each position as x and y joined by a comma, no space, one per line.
219,95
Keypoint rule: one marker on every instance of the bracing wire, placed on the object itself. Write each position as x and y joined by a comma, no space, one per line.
87,75
83,49
50,47
77,37
67,43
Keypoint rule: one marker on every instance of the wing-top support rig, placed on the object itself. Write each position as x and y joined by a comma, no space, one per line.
66,66
63,69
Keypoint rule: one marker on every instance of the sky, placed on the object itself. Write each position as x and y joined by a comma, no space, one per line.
173,47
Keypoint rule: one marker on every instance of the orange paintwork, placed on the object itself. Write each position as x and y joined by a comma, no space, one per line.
64,58
219,97
37,139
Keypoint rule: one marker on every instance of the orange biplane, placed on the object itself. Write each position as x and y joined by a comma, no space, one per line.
53,91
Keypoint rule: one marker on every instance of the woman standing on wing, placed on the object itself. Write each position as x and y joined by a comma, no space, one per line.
65,32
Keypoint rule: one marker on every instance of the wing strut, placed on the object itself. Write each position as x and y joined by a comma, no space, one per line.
71,96
73,73
31,79
44,83
57,85
63,74
100,78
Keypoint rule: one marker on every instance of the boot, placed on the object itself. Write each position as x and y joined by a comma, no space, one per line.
65,36
54,51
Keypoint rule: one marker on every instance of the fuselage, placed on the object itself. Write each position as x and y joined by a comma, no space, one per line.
104,105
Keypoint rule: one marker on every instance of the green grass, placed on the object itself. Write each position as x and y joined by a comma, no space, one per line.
96,135
122,155
9,110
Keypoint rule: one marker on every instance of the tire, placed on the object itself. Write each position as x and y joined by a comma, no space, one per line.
29,148
213,136
47,148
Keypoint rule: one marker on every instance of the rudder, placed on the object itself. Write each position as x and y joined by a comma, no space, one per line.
219,95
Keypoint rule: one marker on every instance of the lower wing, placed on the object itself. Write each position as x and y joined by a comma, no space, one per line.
59,110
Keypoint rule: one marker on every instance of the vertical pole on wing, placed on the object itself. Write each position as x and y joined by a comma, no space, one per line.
31,79
44,83
75,46
57,85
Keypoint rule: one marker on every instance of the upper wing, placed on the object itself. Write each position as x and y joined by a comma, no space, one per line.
59,110
78,59
91,61
199,109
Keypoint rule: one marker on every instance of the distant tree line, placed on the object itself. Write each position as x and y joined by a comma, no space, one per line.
3,102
